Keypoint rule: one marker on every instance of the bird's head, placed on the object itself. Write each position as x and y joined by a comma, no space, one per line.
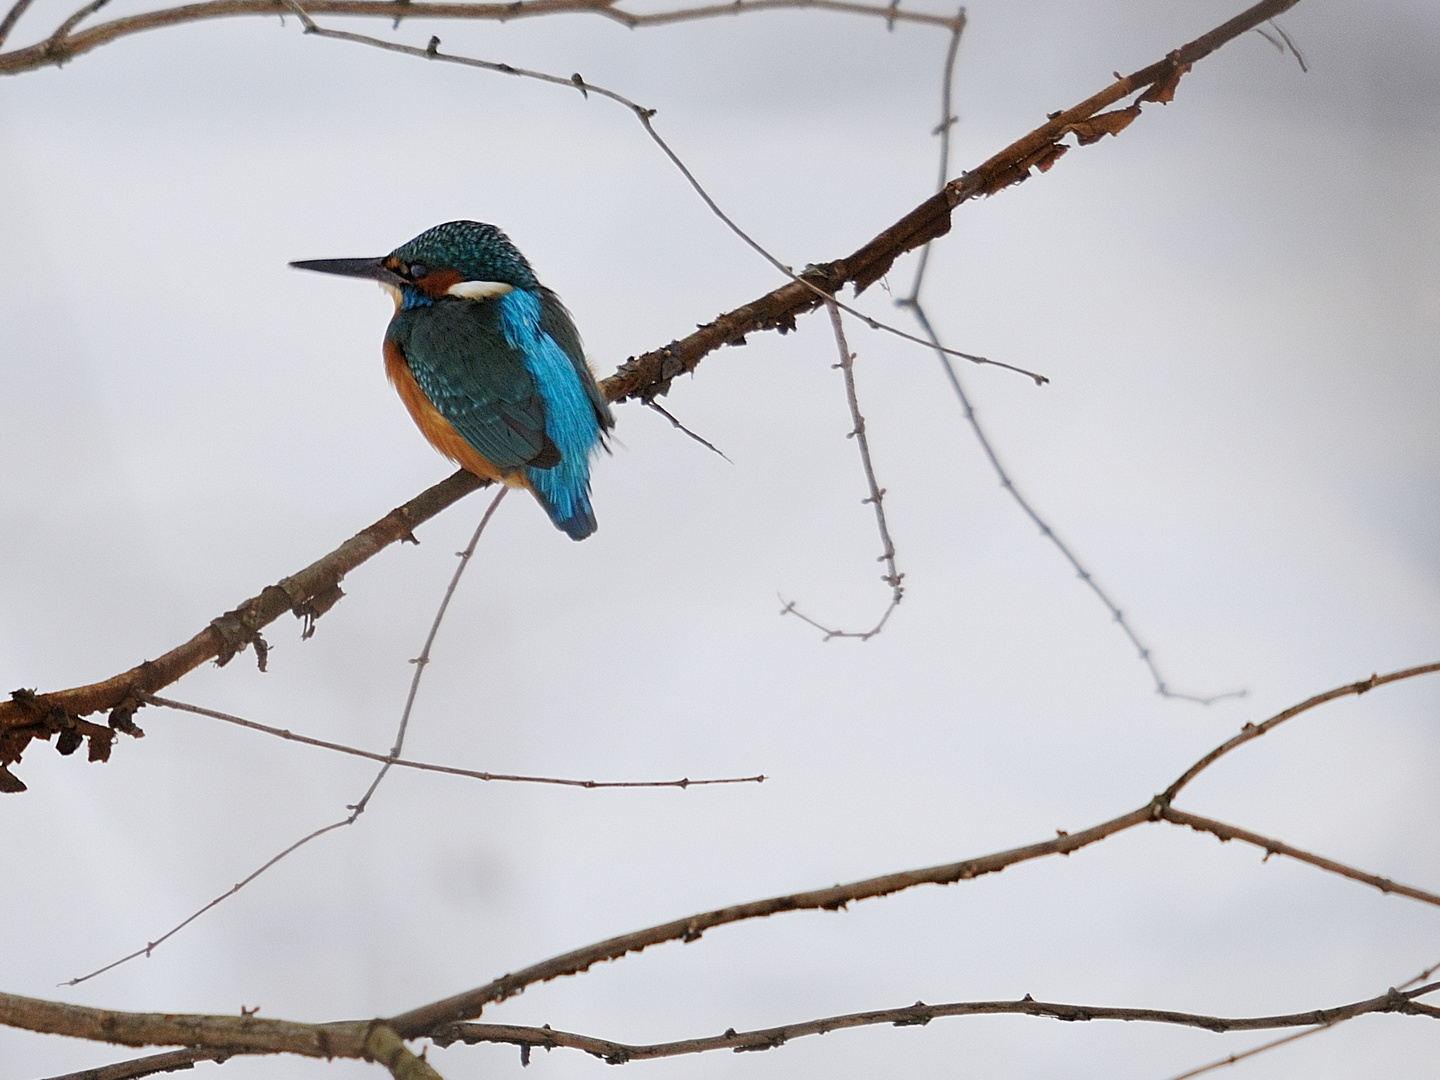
466,259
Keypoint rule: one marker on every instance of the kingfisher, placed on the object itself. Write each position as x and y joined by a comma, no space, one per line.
489,364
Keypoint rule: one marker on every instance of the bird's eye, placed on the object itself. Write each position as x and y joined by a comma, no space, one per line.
418,270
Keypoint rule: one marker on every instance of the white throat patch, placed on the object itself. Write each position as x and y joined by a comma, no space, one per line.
479,290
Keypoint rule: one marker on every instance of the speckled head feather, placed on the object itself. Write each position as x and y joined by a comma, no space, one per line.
478,251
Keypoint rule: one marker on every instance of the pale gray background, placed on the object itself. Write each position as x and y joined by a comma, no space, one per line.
1238,302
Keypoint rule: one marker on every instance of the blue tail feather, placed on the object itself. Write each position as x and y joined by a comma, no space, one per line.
576,520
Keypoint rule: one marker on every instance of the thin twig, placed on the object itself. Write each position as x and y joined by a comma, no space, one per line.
876,499
423,660
1299,59
357,808
1233,1058
449,770
1254,731
62,33
1278,847
701,440
917,308
1143,651
134,1069
12,17
917,1015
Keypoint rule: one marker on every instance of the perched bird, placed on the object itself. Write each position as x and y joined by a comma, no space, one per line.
489,364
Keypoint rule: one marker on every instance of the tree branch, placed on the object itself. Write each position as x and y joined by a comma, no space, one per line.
448,770
917,1015
1278,847
62,45
307,594
651,374
217,1037
1254,731
135,1068
236,1034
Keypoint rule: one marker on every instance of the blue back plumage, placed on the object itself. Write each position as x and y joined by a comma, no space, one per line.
570,418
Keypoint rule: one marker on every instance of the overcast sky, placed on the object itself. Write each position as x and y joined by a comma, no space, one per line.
1237,303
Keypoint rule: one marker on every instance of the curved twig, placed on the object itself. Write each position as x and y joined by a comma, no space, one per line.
449,770
919,1014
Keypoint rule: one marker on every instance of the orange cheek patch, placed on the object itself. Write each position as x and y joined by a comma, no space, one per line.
436,284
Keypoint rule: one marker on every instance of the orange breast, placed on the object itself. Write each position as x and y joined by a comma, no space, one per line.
435,427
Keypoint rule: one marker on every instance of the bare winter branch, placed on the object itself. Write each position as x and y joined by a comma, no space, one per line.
1279,847
212,1037
919,1014
150,1065
449,770
1275,1043
63,46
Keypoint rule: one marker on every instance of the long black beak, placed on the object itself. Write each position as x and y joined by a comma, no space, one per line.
374,269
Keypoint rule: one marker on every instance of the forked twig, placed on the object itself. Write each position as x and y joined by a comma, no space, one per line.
876,498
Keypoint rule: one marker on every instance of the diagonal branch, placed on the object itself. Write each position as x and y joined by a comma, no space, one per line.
1279,847
650,375
11,18
469,1004
1254,731
135,1068
918,1015
307,594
